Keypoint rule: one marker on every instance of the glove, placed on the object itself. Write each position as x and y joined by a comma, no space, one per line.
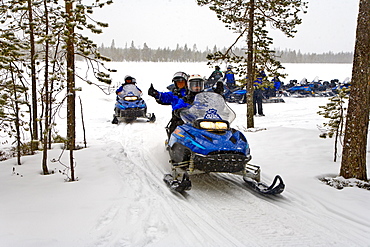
152,92
219,87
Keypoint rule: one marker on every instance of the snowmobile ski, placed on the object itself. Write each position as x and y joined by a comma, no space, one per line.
176,185
275,188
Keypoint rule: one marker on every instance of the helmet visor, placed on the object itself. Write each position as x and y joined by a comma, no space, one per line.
180,82
196,85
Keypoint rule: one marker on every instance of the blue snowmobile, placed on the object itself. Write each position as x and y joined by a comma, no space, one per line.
206,143
130,106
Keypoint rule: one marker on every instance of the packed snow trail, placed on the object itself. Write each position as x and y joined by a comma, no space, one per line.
220,210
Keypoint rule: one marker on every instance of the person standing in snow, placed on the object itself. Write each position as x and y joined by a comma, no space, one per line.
277,85
258,93
229,78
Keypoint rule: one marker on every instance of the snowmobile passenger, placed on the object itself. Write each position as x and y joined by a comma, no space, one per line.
128,80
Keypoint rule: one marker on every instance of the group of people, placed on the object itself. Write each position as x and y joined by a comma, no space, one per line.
228,78
183,94
186,87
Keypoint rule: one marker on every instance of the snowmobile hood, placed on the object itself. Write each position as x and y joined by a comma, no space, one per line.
206,142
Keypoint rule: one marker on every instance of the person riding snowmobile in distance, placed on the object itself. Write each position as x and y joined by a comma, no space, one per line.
128,80
214,77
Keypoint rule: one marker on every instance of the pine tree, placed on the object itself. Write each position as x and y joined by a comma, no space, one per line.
14,97
249,18
335,111
76,44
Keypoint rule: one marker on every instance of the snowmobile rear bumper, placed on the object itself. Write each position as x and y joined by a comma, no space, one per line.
228,162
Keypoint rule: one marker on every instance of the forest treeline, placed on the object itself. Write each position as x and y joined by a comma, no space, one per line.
186,54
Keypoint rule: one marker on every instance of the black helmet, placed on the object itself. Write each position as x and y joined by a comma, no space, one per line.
180,76
130,79
217,67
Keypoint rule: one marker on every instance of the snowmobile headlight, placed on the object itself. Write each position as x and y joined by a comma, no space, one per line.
212,125
130,98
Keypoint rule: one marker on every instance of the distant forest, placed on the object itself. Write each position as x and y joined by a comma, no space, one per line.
186,54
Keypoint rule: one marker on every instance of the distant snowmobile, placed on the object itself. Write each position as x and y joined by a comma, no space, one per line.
206,143
130,106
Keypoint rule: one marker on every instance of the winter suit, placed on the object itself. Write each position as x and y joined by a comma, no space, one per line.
214,77
230,79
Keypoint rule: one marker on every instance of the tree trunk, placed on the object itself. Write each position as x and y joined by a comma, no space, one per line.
17,118
54,69
83,122
355,139
33,76
46,98
250,68
71,94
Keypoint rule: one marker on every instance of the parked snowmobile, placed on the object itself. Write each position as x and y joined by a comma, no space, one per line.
130,106
206,143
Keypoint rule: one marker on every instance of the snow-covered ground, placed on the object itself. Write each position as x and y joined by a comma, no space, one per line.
121,200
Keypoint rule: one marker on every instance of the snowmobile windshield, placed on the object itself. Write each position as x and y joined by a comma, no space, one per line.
208,105
130,90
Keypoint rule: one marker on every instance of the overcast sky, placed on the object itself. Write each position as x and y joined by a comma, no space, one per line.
329,25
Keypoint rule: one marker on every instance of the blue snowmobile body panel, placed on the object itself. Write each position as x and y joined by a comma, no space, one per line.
307,89
240,91
123,104
205,142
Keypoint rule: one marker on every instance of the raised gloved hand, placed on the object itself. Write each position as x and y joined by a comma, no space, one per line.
152,92
219,87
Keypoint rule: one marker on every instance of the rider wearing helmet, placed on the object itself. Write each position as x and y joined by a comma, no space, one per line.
214,77
180,80
128,80
195,86
170,98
